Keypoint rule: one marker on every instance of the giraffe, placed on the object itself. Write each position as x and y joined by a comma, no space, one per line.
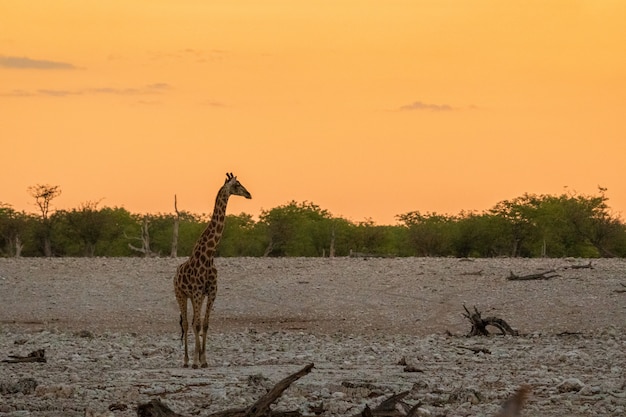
196,278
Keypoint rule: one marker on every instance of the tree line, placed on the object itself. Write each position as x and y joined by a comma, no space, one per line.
528,226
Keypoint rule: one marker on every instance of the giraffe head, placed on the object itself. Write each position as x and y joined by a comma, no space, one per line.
235,187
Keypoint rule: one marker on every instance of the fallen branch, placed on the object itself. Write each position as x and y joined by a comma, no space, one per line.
479,325
34,356
476,273
583,266
540,275
621,291
261,408
475,349
393,406
412,368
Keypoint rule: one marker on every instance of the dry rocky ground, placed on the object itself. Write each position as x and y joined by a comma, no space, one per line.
110,331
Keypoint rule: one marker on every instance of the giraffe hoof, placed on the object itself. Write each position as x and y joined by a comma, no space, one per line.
204,365
185,365
194,366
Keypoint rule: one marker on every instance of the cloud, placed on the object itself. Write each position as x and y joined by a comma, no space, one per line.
150,89
212,103
159,86
190,54
17,62
57,93
420,105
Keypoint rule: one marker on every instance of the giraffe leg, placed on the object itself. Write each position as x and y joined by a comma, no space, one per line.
196,324
205,329
184,326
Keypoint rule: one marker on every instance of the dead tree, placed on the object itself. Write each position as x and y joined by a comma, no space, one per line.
174,252
479,325
145,239
261,408
541,275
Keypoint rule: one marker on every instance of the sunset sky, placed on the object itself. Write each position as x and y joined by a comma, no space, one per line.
369,109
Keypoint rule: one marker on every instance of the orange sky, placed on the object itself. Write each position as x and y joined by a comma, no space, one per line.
367,108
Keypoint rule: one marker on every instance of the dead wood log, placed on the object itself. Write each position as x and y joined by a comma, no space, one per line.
475,349
541,275
476,273
568,333
479,325
412,368
583,266
38,355
394,406
261,408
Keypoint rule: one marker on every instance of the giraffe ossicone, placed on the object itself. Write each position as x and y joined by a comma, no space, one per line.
196,278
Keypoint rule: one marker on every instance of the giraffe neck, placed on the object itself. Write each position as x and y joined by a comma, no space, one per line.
210,238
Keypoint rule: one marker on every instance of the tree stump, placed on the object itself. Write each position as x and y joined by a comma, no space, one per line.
479,325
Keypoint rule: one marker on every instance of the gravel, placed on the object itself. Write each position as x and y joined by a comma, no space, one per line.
111,335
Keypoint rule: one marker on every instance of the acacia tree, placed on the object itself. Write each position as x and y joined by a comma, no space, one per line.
429,234
297,229
242,237
43,195
89,224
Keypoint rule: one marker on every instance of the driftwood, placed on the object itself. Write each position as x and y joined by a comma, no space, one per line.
393,406
541,275
621,291
475,349
477,273
583,266
479,325
34,356
261,408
